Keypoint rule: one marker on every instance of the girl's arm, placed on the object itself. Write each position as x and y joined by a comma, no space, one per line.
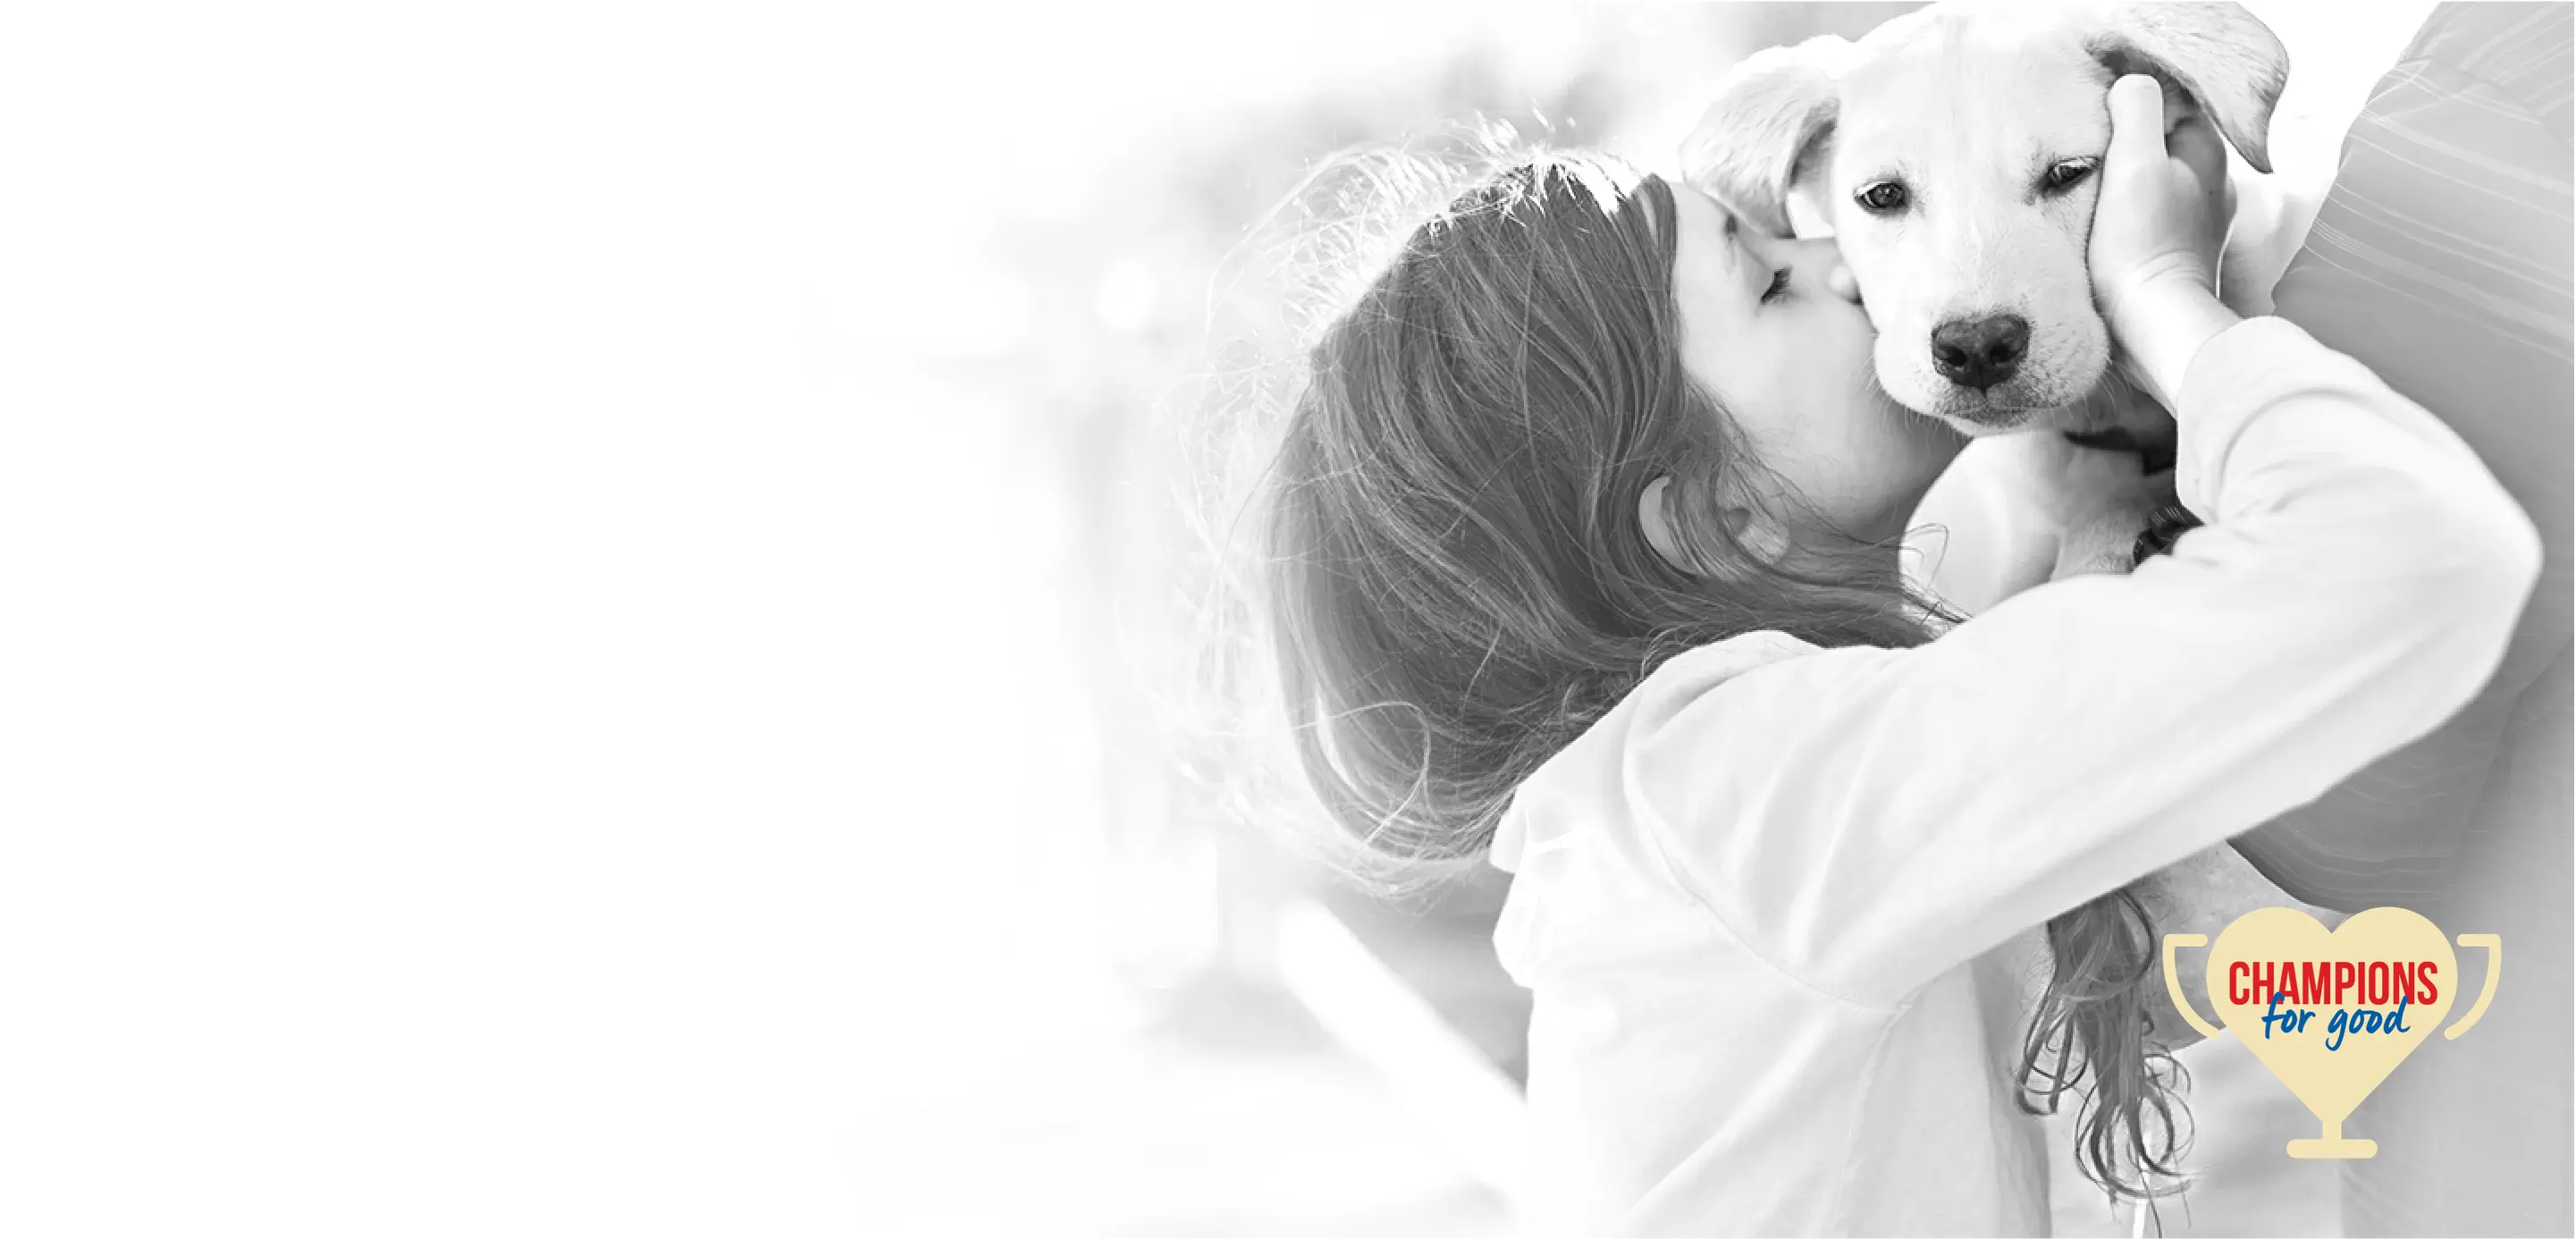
1868,818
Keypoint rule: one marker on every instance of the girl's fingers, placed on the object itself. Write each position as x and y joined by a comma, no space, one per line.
2196,143
2138,120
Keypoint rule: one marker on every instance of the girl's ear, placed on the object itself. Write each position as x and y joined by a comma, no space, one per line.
1754,530
1659,527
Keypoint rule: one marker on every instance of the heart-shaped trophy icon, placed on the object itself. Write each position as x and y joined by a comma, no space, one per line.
2332,1013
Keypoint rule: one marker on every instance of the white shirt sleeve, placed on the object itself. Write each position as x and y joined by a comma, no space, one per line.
1869,818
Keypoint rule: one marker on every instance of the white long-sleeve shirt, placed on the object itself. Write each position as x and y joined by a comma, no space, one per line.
1778,908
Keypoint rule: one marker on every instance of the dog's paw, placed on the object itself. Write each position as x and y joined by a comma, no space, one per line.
2166,527
2110,541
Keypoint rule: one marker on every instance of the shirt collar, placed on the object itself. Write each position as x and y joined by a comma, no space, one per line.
1504,852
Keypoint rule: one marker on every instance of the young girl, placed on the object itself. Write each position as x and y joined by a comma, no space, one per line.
1584,541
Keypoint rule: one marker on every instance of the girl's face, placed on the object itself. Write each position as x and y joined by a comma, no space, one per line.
1773,328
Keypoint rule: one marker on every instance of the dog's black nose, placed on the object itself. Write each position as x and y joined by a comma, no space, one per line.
1980,352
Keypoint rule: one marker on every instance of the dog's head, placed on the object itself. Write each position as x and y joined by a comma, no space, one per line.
1952,153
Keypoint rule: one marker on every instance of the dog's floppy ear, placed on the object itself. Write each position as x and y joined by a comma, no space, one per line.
1774,114
2225,58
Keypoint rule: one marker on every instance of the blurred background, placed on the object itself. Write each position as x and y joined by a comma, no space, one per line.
618,623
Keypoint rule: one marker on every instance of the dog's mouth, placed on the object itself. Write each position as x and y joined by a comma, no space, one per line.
1985,412
2047,373
2040,396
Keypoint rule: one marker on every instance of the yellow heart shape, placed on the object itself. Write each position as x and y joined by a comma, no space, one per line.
2334,1054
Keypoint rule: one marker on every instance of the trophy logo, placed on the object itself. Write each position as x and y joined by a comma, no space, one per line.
2332,1014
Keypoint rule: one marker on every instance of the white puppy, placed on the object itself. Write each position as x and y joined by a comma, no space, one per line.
1952,154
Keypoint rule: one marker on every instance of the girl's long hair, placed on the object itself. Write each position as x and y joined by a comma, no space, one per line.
1459,584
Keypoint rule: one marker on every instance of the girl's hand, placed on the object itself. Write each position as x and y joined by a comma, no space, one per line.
2155,217
2157,223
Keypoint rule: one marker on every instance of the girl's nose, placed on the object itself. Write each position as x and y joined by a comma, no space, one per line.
1839,278
1828,258
1817,258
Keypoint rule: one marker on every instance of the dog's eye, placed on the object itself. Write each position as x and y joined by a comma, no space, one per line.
1882,197
1779,285
2067,174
